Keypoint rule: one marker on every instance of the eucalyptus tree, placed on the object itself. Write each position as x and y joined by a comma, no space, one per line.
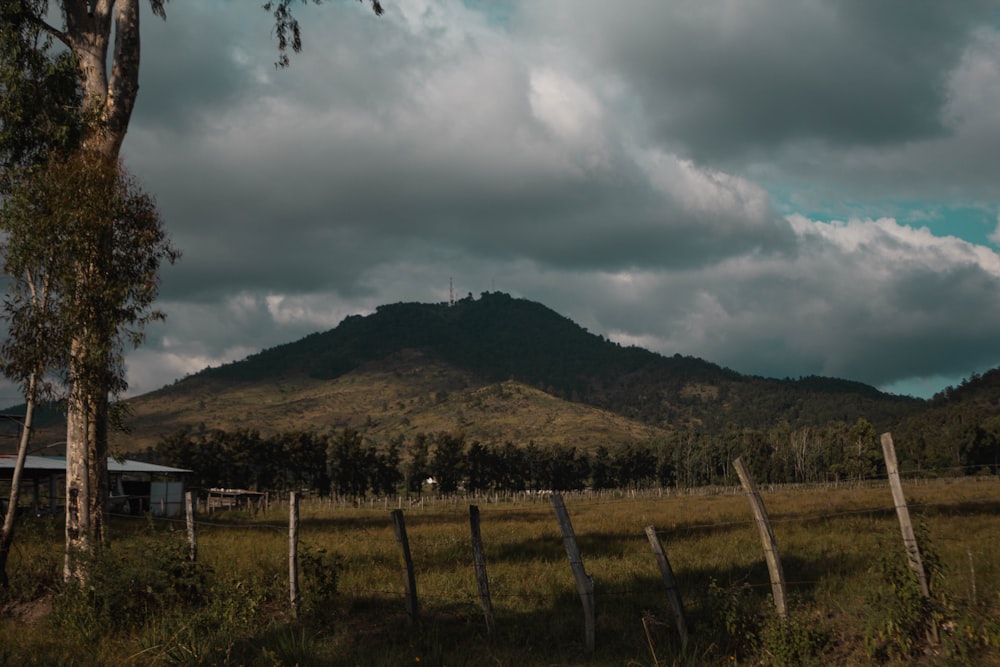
38,94
102,40
27,360
70,314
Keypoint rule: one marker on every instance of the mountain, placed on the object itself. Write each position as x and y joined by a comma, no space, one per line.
497,368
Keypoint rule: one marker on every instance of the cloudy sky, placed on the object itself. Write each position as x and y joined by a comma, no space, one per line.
783,188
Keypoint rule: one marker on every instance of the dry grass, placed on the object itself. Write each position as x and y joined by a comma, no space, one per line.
400,396
829,540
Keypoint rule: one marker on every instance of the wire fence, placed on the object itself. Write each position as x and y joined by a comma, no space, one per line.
320,508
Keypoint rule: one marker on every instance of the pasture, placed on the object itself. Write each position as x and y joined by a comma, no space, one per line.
850,599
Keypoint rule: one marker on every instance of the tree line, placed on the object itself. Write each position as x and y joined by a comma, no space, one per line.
348,462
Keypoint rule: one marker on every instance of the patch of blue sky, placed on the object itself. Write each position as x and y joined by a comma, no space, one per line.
975,223
924,387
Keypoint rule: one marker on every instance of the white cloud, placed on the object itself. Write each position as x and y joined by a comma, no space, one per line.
707,191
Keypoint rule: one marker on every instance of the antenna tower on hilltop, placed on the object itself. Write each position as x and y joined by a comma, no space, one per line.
451,293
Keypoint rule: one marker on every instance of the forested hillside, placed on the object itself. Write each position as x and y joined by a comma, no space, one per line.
498,338
959,429
503,375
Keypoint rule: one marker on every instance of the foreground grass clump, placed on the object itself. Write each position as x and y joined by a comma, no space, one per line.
850,591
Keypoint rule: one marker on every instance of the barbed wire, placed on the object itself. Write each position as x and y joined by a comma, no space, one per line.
619,496
465,596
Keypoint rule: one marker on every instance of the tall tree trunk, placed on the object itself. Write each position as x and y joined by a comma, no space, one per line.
97,454
79,528
7,533
109,95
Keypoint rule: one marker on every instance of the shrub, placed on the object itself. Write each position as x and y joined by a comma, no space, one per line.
733,617
128,585
790,641
321,574
907,616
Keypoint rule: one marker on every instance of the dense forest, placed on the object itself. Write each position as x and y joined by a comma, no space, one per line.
348,463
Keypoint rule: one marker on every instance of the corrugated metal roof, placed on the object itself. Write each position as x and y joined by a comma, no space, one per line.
8,461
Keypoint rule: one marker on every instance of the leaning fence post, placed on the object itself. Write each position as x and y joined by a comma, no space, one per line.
399,526
905,526
293,552
189,513
584,582
766,538
479,560
670,582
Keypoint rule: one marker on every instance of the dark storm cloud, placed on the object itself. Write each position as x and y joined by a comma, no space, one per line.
317,185
863,300
727,80
648,169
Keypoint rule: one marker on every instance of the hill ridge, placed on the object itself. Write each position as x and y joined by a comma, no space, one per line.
361,374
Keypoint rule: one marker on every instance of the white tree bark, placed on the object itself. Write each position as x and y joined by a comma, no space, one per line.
109,93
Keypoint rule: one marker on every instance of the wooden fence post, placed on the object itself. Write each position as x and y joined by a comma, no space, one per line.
906,527
189,513
670,582
399,526
766,538
479,560
584,582
293,553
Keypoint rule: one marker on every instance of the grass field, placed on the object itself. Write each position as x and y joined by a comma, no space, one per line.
840,548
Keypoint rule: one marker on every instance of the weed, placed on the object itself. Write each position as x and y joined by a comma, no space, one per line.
126,588
292,646
790,641
37,573
733,617
907,615
321,574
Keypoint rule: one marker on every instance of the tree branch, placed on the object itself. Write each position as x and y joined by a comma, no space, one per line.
124,82
45,26
286,26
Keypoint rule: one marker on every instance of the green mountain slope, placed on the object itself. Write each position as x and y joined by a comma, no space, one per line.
411,366
498,338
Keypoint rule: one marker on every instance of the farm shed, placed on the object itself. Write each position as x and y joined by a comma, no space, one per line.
136,487
222,499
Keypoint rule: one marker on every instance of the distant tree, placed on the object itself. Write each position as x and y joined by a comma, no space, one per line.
511,470
386,475
480,468
417,469
535,467
633,467
866,453
447,461
347,464
601,472
568,469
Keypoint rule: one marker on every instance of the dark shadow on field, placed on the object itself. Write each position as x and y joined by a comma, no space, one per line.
549,626
963,508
